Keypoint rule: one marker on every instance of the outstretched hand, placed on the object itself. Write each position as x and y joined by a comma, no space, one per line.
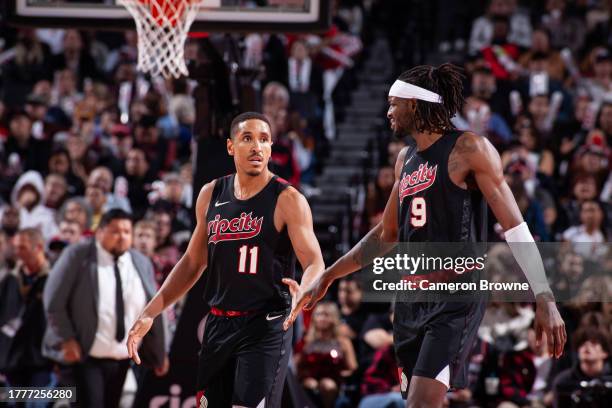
549,321
298,300
140,328
304,298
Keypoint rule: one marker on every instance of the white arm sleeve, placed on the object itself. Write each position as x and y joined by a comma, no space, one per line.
528,257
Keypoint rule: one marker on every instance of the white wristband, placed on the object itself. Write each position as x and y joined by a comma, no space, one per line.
528,257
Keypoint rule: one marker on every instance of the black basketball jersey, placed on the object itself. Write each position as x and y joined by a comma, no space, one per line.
431,207
247,256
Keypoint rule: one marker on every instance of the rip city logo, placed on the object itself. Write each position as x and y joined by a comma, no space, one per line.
417,181
174,400
244,227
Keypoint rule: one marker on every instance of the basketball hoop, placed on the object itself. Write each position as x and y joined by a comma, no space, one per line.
162,27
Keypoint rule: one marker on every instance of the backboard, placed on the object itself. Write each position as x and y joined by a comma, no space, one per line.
215,15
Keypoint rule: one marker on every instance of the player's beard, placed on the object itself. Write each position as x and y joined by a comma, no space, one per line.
406,126
253,173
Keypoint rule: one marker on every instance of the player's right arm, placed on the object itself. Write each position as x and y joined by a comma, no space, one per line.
379,241
183,276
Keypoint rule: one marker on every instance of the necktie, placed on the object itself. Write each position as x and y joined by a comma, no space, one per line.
119,309
298,74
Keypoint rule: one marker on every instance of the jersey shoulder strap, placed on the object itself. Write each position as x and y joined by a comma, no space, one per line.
280,184
220,188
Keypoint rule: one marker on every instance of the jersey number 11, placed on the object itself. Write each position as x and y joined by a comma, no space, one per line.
242,261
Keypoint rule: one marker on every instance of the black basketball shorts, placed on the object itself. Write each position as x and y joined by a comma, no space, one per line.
434,340
243,361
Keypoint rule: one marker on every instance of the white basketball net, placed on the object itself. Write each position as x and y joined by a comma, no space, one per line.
162,27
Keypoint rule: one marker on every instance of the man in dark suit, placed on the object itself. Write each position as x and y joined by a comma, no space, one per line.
95,290
305,80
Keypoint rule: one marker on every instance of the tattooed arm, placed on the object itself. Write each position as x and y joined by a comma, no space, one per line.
379,241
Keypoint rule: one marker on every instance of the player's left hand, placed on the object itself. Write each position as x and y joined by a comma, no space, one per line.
549,321
135,335
298,300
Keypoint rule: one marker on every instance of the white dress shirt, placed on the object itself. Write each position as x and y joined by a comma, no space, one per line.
134,299
299,79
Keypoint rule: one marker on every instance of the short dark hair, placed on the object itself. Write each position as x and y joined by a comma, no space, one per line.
114,214
350,278
592,334
243,117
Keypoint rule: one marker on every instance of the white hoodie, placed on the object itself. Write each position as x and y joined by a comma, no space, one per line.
40,217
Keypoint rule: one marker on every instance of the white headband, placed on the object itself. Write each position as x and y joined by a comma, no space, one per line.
403,89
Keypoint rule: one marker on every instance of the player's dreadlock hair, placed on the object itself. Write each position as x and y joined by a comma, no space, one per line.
445,80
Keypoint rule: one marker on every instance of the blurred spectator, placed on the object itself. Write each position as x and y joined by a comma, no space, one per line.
145,240
102,177
275,105
604,120
541,48
78,210
601,83
22,151
56,191
352,313
502,55
36,108
584,384
588,237
532,141
29,65
305,81
303,147
478,118
81,158
25,321
125,53
532,211
182,107
566,30
159,152
172,200
275,97
380,386
524,375
10,220
60,163
186,174
70,231
377,333
95,196
166,248
326,356
483,28
378,194
28,196
92,339
505,326
584,187
75,57
4,250
139,178
65,94
592,159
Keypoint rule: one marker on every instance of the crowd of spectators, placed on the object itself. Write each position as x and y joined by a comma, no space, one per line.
82,132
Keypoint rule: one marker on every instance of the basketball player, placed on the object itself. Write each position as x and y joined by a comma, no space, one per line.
248,226
432,201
